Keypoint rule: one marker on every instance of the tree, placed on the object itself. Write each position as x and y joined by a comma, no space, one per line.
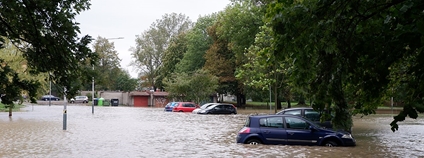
109,64
235,29
152,43
197,87
124,82
47,34
353,46
15,78
172,56
198,42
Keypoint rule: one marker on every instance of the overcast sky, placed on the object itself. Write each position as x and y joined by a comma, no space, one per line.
128,18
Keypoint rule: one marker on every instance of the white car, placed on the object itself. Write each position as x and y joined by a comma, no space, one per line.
204,106
79,99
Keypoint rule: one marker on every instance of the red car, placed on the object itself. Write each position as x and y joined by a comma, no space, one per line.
185,107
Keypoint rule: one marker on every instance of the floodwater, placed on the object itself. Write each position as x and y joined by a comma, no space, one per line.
37,131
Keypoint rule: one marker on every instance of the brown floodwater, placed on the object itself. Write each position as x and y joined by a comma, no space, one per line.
37,131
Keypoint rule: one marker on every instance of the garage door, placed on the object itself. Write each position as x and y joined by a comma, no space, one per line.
141,101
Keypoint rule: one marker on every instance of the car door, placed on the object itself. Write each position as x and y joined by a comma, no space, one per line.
188,107
298,132
272,130
218,109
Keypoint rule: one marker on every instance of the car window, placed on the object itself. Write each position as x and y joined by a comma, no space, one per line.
229,107
293,112
189,105
204,106
272,122
296,123
312,115
174,104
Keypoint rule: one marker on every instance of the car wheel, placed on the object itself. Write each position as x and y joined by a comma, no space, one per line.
180,111
330,143
57,99
253,142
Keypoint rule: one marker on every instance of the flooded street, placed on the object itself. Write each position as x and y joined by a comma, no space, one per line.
150,132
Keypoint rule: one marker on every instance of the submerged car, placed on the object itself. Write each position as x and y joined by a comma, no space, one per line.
170,106
290,130
309,113
219,108
204,106
184,107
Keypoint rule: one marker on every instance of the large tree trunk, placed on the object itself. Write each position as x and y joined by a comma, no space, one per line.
279,103
288,103
10,110
301,100
241,100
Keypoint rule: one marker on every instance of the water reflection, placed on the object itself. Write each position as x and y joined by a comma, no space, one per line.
150,132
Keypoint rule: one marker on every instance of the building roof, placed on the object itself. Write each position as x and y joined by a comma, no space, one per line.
144,93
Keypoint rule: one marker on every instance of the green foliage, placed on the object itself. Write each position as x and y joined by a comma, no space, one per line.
198,42
354,51
48,36
173,55
152,44
124,82
108,68
196,87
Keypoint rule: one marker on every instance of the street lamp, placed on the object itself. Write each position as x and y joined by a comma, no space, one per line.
92,84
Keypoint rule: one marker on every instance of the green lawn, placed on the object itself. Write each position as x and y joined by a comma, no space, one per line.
16,108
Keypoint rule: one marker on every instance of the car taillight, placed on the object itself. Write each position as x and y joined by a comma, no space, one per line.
244,130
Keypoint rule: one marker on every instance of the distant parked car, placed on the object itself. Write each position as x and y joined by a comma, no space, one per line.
204,106
79,99
184,107
170,106
221,108
310,114
290,130
50,97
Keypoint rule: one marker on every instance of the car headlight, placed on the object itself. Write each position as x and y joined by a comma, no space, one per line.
348,136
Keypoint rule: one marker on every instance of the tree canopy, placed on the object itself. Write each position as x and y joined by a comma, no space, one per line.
151,44
354,47
47,34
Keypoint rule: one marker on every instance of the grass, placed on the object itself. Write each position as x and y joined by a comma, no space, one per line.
4,108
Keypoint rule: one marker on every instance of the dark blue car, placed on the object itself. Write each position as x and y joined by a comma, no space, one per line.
170,106
290,130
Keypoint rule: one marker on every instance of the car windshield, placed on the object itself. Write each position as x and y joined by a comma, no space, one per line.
211,106
204,106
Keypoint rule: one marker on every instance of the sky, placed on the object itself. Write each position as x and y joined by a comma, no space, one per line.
128,18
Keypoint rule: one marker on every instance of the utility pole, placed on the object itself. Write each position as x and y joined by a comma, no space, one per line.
50,89
64,109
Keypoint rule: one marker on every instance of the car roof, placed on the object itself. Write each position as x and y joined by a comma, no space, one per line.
272,115
297,108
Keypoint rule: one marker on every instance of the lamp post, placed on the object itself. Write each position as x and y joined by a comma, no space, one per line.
64,109
92,83
50,89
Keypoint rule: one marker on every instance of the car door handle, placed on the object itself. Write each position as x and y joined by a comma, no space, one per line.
291,133
266,132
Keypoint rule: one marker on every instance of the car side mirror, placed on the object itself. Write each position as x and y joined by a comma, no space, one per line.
312,128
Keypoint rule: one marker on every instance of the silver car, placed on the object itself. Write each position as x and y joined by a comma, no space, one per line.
79,99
